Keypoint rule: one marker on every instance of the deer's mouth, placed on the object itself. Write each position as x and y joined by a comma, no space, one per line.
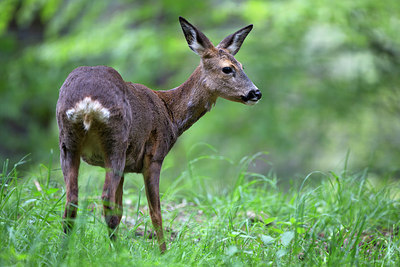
252,97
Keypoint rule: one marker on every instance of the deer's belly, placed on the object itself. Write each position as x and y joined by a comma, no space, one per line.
92,151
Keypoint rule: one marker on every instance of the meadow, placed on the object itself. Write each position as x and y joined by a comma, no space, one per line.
324,219
329,74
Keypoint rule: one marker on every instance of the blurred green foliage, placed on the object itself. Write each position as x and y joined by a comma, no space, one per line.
328,70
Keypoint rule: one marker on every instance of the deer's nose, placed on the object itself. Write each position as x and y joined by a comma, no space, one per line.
254,95
258,94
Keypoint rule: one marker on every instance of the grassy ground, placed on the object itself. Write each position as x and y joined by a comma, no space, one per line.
342,219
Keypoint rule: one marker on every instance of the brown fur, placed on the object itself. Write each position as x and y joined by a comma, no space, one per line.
143,124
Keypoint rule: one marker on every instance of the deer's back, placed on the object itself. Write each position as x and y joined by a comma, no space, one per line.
99,113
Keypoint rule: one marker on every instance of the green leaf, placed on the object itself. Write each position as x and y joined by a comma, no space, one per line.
300,230
270,220
51,191
286,237
232,250
267,240
277,230
280,253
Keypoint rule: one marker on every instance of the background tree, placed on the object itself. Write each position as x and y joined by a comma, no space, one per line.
328,70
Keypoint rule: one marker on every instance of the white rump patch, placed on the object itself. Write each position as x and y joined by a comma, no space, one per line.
86,110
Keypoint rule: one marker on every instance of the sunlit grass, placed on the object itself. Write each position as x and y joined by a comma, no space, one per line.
324,219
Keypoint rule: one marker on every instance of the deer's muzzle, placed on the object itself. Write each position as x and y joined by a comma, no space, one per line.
252,97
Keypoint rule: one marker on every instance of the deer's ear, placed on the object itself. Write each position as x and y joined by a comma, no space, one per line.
196,40
234,41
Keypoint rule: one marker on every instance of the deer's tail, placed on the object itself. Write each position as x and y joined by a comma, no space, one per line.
87,110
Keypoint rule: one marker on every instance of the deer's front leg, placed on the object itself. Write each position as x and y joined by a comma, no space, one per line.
151,175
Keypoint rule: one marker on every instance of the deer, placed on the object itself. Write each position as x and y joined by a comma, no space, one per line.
127,127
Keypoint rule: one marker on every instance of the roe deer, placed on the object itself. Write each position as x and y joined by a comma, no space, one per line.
127,127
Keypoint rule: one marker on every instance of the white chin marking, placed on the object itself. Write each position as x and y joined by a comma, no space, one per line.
251,102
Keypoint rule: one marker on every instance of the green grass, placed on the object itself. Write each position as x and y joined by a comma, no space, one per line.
324,219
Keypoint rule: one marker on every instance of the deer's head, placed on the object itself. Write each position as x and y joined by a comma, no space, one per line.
223,74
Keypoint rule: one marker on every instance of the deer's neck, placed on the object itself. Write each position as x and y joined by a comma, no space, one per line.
188,102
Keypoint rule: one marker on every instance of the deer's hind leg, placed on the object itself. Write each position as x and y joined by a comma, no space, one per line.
113,188
70,161
118,196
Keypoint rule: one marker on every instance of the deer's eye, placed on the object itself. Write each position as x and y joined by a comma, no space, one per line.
227,70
